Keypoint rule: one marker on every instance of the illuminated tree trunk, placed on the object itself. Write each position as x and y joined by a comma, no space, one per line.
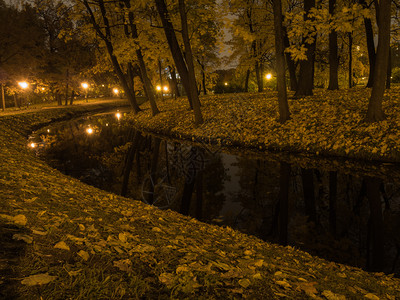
284,113
375,111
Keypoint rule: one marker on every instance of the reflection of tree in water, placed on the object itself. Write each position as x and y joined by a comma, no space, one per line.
340,217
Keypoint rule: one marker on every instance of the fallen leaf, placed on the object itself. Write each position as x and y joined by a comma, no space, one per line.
23,237
38,232
284,284
84,255
332,296
123,264
371,296
122,237
244,282
20,220
38,279
62,245
156,229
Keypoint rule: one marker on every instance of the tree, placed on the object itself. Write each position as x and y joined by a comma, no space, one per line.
375,111
284,114
185,64
333,53
103,30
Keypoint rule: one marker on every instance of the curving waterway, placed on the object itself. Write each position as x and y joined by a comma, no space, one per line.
344,211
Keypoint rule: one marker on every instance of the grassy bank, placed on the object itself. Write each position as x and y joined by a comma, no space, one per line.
330,123
73,241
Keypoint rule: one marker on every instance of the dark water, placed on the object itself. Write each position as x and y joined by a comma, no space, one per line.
344,215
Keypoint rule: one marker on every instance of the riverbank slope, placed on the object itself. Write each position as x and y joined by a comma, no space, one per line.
71,240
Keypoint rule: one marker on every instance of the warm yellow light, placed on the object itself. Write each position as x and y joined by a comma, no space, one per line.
85,85
268,76
89,130
32,145
23,84
165,88
118,115
158,87
116,91
226,83
48,130
43,89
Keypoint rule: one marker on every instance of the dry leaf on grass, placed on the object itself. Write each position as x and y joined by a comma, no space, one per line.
38,279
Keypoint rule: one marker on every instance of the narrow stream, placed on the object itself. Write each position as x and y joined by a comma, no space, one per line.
350,217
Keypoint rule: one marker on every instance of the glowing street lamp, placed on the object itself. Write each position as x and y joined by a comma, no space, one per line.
118,115
158,88
166,89
225,83
23,84
268,76
116,91
32,145
89,131
85,86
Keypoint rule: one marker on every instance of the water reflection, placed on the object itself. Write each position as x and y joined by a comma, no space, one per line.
347,218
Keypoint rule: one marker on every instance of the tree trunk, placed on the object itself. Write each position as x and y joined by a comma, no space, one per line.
333,53
375,111
306,77
188,83
71,100
175,82
160,76
371,50
284,113
246,83
290,63
142,65
350,73
190,65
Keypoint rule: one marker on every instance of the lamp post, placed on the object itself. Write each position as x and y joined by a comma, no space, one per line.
85,86
24,85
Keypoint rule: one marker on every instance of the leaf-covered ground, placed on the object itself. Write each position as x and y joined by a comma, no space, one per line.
330,123
73,241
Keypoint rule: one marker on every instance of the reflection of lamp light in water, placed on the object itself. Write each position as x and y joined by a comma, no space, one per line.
118,115
89,130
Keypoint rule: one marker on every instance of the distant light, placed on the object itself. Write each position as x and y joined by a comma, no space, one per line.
165,88
85,85
43,88
48,130
107,124
358,47
102,85
32,145
118,115
23,84
89,130
116,91
158,87
268,76
226,83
